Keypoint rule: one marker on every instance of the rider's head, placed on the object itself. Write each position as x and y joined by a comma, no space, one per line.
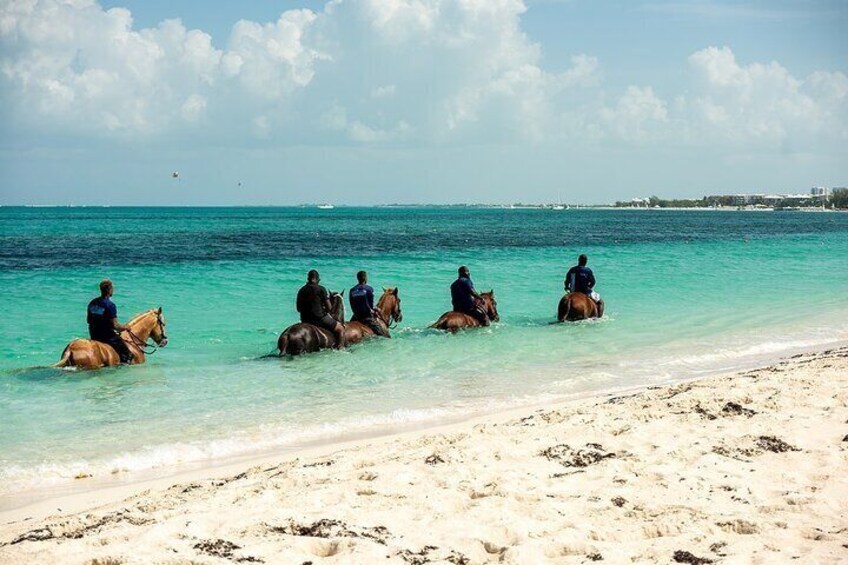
582,260
464,272
106,287
313,276
362,277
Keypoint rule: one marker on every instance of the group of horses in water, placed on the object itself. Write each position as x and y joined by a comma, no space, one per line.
303,338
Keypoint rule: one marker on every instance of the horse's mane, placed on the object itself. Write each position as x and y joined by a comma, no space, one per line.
137,316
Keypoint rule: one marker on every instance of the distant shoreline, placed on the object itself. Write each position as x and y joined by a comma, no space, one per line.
540,207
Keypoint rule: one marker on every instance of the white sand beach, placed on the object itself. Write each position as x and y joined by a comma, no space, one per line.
741,468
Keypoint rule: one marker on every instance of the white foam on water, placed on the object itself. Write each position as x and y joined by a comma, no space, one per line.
262,439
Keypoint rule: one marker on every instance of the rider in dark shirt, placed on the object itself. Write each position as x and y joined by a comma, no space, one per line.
361,299
465,299
313,303
581,279
103,325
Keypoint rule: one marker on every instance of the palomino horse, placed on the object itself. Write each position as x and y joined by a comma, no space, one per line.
577,306
306,338
388,311
455,321
90,354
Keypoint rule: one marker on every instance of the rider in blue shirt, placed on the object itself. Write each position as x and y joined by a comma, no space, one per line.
581,279
361,299
103,325
465,299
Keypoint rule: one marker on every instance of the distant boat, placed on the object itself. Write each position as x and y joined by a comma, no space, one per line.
558,207
325,206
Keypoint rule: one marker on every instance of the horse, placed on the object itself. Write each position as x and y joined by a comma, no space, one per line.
307,338
90,354
388,311
577,306
455,321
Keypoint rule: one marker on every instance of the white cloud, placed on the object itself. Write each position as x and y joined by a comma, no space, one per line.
638,115
764,103
379,71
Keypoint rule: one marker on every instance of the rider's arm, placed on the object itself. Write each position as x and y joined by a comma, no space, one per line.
112,312
369,298
325,299
591,279
568,280
473,292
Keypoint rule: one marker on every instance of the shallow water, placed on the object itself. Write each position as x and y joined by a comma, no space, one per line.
687,293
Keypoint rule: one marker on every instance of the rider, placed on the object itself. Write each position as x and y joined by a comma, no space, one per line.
103,325
362,304
465,299
581,279
313,303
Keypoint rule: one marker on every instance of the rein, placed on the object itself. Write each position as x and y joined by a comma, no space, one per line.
143,345
388,320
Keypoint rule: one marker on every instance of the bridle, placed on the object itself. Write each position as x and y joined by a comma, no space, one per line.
392,319
145,346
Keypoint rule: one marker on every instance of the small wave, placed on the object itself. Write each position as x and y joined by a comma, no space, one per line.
263,439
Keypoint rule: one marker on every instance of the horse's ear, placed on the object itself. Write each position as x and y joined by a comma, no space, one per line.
394,291
385,289
492,292
342,292
159,311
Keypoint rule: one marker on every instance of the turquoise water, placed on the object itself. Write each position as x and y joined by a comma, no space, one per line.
686,292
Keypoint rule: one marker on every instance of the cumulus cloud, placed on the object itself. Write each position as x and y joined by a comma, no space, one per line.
377,71
764,103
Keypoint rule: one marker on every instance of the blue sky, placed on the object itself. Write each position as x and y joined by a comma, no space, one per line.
439,101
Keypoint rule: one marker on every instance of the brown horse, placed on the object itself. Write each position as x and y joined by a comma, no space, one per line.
455,321
90,354
577,306
307,338
388,311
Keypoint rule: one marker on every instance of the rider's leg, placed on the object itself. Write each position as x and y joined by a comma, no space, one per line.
600,304
481,317
340,337
120,347
376,327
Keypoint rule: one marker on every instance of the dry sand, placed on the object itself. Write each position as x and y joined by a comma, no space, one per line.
744,468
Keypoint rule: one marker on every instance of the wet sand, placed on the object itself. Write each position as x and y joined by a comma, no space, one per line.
741,468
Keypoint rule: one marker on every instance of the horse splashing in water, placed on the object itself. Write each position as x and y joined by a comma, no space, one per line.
90,354
577,306
455,321
307,338
388,311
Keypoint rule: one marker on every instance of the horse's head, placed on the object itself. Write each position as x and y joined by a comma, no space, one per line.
389,305
490,305
337,309
158,332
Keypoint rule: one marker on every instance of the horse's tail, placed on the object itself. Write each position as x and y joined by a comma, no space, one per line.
67,358
289,346
564,315
438,324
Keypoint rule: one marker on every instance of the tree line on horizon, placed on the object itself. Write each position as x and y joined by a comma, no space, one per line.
838,199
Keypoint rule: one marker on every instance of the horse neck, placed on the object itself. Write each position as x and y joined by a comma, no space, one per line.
338,312
487,305
142,325
386,306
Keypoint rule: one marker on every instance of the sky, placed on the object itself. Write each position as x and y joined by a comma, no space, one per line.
264,102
